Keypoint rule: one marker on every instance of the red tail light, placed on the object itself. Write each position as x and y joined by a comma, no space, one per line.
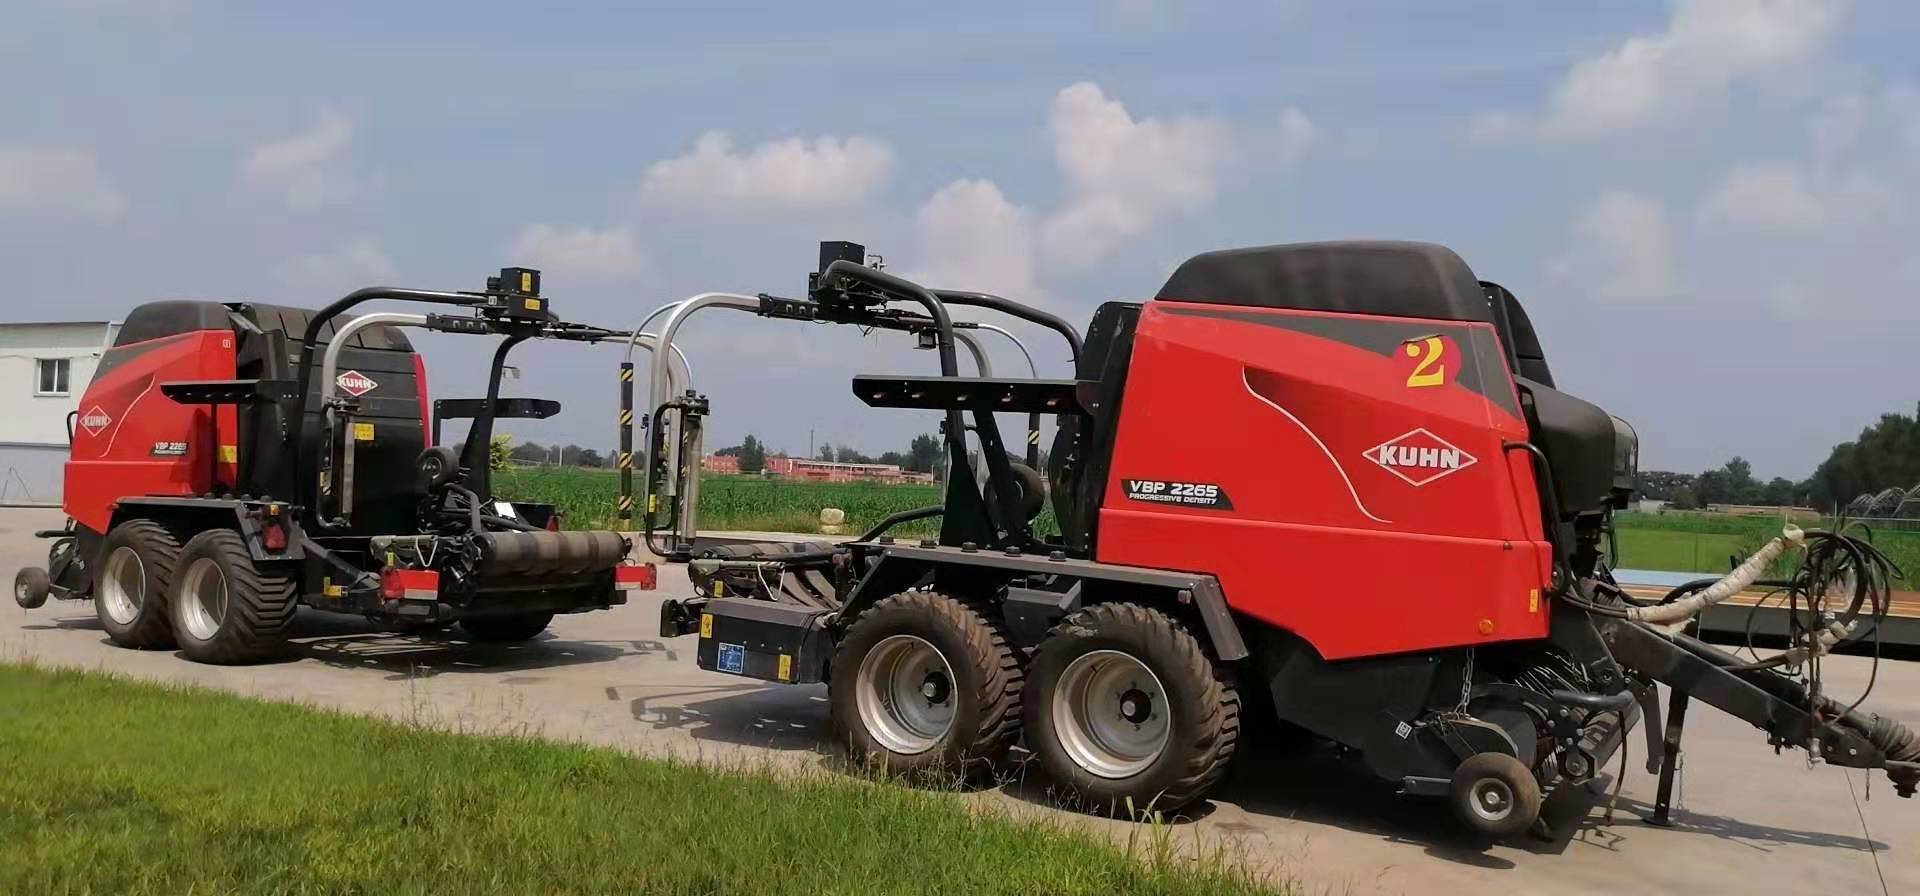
273,537
409,584
420,385
636,577
553,521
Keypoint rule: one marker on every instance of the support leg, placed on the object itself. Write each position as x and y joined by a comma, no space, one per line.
1670,761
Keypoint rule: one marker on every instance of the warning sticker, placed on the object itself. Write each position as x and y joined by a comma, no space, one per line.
1183,494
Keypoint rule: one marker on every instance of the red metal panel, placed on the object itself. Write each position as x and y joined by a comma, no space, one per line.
132,440
1368,504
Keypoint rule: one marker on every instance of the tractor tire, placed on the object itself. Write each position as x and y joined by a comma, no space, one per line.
925,683
1128,712
30,587
506,629
134,583
1495,795
228,610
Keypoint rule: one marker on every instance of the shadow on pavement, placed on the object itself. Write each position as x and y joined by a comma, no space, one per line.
350,643
785,718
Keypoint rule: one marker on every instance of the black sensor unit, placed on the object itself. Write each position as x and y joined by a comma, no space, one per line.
515,295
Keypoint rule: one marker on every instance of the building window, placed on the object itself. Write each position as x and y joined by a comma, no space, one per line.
52,376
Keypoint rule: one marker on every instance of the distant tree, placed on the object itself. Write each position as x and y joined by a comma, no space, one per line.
1780,492
847,455
590,458
731,450
826,452
753,455
531,452
500,451
893,457
1740,480
1660,485
1712,487
1731,483
923,454
1683,498
1885,455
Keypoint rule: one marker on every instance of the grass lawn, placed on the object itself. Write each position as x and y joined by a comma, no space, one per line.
1680,551
114,786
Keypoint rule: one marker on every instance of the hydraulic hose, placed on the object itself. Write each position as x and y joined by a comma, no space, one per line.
1735,582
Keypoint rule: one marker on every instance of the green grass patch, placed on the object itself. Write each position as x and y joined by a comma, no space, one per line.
1702,542
114,786
736,502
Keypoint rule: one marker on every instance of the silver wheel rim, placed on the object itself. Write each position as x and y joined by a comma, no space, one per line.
905,693
1111,714
21,593
1491,799
123,585
203,598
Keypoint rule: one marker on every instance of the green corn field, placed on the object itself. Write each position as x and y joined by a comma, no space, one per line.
726,502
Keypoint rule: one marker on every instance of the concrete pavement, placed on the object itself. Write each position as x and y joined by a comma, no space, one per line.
1754,822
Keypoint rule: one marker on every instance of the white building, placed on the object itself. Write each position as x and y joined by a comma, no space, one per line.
44,369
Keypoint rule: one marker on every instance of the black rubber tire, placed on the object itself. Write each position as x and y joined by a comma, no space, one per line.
260,602
152,626
1033,489
1202,735
30,587
1520,795
506,629
988,680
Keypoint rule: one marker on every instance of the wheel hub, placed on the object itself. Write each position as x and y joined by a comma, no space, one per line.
1110,714
1492,799
123,585
904,694
936,688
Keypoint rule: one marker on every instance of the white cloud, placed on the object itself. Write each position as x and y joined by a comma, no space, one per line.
1123,174
1707,47
1769,195
1620,251
1825,237
580,252
56,180
791,173
972,237
307,169
351,265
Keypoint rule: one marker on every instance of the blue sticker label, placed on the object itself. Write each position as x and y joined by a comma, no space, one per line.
732,658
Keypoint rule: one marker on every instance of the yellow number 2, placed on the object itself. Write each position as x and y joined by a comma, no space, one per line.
1428,371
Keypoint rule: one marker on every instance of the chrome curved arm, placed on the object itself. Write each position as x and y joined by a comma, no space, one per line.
983,367
1032,369
330,361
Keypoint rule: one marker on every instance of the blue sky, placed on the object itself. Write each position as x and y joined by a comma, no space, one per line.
1707,205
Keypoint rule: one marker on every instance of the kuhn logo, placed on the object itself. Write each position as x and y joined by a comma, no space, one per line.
95,420
355,383
1419,457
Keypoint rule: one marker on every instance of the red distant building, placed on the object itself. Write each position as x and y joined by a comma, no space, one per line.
833,471
720,463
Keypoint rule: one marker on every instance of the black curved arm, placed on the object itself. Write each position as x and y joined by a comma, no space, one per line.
1012,308
844,271
308,341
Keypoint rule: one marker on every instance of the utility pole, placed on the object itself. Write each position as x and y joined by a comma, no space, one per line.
809,441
